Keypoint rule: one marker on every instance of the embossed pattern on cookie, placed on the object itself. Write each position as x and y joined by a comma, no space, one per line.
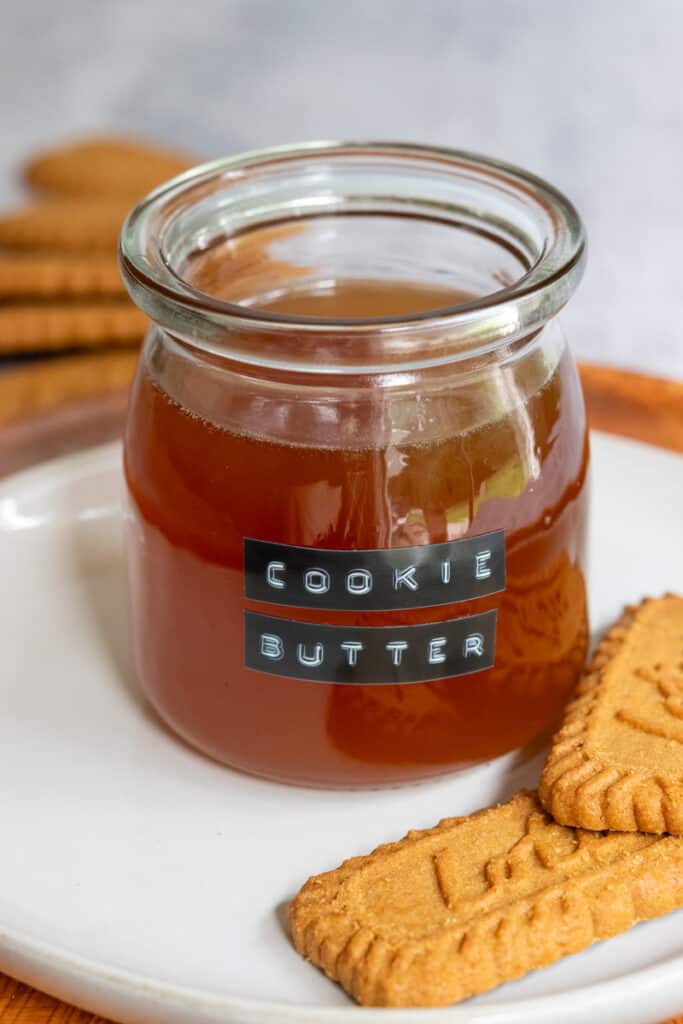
47,276
617,761
455,910
47,328
46,385
65,224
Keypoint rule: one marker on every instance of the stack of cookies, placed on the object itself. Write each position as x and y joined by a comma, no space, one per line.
60,288
455,910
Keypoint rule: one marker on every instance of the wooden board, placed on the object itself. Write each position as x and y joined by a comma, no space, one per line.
634,405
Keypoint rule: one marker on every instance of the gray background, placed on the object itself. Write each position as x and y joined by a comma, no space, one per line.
587,93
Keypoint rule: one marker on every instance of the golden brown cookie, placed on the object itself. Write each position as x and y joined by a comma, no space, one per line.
48,277
65,224
43,328
55,382
104,167
617,761
458,909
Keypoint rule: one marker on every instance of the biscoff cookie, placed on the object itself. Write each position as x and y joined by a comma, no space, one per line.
104,167
49,384
617,761
455,910
43,328
65,224
48,277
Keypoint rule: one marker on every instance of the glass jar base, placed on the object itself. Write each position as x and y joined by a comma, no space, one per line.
355,775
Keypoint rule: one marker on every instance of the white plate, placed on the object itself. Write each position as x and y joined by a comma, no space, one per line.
146,883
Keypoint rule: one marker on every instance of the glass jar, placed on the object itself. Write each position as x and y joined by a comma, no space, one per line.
356,457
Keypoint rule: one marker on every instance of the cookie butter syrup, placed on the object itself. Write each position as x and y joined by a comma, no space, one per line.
356,458
198,490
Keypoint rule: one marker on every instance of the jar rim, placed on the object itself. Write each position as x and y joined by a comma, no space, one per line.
477,326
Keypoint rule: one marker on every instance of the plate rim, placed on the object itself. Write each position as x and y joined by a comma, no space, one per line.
149,990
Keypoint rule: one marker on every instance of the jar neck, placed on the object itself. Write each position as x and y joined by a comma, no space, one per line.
423,406
369,211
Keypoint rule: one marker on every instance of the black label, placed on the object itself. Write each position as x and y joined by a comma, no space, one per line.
380,579
369,654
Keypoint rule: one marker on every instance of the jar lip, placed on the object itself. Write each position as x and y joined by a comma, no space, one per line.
153,283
